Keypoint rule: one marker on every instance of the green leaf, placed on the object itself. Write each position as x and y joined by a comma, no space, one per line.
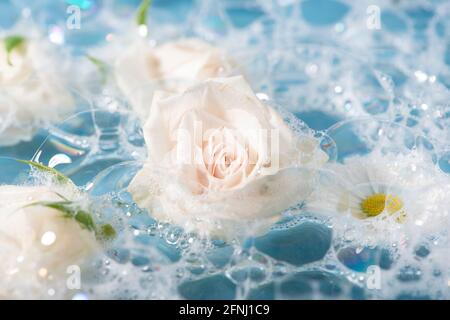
102,67
67,207
141,16
84,218
11,43
63,206
61,178
107,232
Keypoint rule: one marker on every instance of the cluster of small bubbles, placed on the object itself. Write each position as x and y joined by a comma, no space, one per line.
173,235
279,269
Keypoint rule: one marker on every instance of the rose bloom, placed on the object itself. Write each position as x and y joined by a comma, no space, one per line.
31,93
38,244
172,66
219,157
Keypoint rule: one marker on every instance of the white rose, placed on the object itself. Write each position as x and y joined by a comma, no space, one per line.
173,66
219,157
38,244
31,94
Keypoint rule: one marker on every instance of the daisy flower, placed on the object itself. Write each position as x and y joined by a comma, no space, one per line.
383,197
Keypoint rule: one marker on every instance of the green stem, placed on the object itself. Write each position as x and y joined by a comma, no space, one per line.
11,43
141,16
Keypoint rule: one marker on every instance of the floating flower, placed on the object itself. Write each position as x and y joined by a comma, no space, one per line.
172,66
219,157
43,239
32,95
379,196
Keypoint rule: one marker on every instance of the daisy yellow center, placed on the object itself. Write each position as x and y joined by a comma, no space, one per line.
376,203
